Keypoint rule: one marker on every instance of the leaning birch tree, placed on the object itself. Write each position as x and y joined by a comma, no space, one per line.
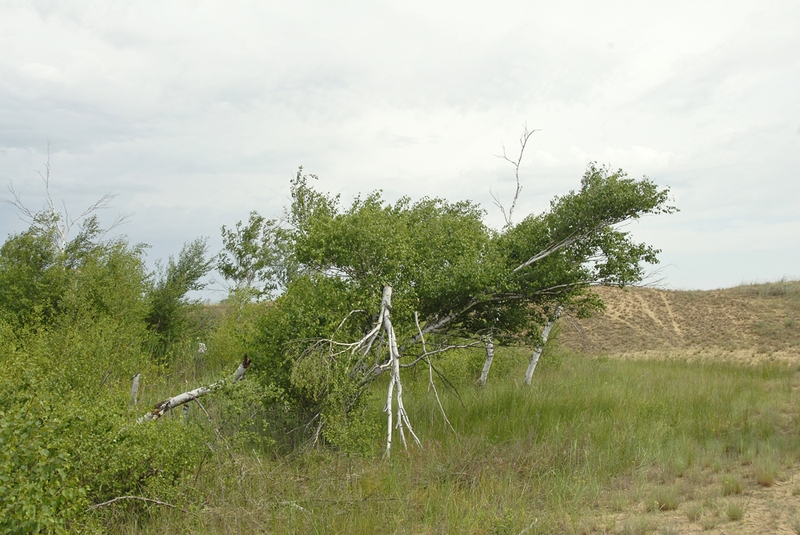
454,282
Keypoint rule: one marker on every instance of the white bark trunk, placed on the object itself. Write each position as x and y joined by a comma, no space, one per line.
159,409
135,389
538,352
395,385
487,365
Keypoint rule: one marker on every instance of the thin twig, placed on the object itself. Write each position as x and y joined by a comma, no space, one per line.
427,354
140,498
430,375
523,141
61,222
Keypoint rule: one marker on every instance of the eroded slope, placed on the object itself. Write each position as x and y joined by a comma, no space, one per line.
751,321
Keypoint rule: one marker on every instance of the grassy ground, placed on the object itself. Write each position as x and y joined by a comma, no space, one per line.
595,445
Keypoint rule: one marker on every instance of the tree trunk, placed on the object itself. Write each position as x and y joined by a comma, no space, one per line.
488,343
135,389
538,352
394,381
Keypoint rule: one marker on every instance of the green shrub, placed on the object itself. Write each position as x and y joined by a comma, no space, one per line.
73,331
39,490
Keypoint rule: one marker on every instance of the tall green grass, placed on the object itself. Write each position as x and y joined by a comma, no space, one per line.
541,458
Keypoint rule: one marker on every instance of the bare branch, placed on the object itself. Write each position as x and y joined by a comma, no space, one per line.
23,212
140,498
427,354
496,202
364,344
654,278
62,222
431,384
135,389
523,141
341,324
394,365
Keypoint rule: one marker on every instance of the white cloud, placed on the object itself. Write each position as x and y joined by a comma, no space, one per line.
645,157
197,113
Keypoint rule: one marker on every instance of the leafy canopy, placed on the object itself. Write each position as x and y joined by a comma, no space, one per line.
459,278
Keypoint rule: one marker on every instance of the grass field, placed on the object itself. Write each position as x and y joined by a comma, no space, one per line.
600,443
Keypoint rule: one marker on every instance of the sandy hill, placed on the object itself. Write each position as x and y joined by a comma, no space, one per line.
747,322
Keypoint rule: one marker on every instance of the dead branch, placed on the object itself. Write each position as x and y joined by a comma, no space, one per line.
431,384
162,407
487,364
394,365
427,354
523,141
61,220
135,389
140,498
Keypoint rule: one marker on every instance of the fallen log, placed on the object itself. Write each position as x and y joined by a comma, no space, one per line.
162,407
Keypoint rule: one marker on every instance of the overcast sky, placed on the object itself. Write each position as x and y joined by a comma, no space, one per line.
195,113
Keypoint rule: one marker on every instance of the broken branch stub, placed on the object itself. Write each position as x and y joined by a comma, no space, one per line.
487,364
135,389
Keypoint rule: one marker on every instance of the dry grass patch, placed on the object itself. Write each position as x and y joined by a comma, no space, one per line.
732,484
709,523
664,499
639,526
767,472
735,510
694,512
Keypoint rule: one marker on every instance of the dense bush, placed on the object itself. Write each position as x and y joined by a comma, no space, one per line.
80,317
73,331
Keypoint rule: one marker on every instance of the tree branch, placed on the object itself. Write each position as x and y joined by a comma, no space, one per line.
140,498
61,221
523,141
160,408
431,384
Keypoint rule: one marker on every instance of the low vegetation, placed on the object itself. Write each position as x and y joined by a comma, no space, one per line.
594,445
598,442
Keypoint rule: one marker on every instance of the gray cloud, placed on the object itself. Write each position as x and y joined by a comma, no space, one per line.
196,114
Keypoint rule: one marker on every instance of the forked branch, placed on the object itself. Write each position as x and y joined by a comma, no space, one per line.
394,381
61,221
523,141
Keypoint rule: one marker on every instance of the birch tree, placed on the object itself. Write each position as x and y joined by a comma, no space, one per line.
460,279
488,344
252,257
57,220
540,347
